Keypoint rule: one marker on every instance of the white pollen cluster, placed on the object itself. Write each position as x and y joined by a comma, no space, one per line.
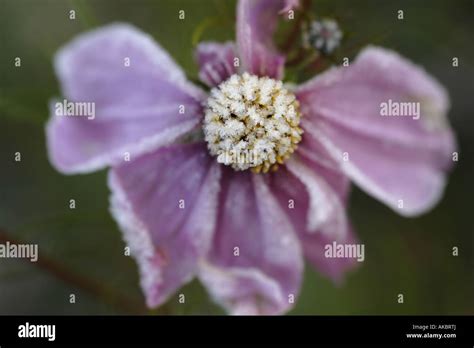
252,122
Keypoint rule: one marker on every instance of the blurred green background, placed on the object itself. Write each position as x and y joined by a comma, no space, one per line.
82,251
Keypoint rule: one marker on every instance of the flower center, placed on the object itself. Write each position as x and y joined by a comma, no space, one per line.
252,122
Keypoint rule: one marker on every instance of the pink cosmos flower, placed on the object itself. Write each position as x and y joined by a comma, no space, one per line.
187,208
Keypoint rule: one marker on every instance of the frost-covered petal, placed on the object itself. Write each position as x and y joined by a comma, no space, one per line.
141,99
315,247
256,24
325,210
315,157
255,265
216,62
400,160
304,189
166,205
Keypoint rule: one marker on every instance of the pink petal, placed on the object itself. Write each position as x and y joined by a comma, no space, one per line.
325,210
315,248
166,238
265,276
305,189
315,156
256,23
399,160
137,107
290,5
216,62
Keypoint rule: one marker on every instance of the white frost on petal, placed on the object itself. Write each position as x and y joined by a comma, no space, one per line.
138,239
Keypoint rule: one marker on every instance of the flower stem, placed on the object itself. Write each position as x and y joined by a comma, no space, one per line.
79,281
